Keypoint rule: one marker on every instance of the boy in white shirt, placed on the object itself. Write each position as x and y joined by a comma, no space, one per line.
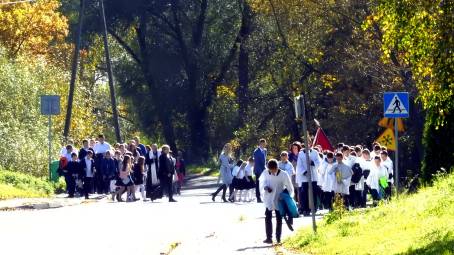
272,182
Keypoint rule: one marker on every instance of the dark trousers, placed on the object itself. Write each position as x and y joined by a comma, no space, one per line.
97,178
269,224
223,187
388,191
304,197
364,196
106,184
375,194
88,183
257,187
167,186
70,184
328,200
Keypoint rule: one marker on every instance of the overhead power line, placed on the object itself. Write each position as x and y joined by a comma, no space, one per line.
16,2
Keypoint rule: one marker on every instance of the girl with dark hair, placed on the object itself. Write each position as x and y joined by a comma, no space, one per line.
139,174
125,180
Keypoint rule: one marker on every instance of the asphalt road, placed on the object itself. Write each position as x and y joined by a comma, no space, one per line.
193,225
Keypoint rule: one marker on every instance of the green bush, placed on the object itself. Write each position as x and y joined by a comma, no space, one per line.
60,186
19,185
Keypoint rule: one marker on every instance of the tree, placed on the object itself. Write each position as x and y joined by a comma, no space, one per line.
420,34
30,28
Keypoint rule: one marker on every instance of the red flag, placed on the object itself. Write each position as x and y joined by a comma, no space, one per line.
322,140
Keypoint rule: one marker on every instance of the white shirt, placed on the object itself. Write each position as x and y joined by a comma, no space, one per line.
238,172
349,161
287,167
388,164
101,148
376,172
277,183
301,166
328,176
365,165
88,172
248,169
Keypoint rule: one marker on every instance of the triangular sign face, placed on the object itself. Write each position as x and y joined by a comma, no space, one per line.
396,106
387,139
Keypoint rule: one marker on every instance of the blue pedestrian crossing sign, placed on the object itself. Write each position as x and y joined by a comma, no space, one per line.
396,105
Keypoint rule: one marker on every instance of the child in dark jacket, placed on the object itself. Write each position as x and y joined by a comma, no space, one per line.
87,166
108,171
72,170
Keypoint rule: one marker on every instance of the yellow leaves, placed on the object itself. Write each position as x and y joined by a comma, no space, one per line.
29,28
328,80
225,91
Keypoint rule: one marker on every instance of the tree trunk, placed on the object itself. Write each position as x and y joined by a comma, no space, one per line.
199,134
243,65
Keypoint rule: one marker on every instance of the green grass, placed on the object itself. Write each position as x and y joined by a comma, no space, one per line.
207,170
422,223
19,185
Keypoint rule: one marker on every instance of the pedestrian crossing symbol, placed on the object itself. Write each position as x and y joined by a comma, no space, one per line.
396,104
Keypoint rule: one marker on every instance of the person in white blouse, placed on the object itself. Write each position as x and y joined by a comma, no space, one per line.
329,178
388,164
302,178
250,184
376,172
366,165
238,182
272,183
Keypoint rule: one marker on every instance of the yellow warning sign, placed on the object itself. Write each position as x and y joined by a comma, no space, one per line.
387,139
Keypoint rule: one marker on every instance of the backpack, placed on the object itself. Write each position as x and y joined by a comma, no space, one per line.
357,173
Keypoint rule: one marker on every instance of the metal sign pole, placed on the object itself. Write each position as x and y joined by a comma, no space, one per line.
308,164
50,146
396,172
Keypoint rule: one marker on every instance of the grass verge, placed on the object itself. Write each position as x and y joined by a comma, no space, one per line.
19,185
206,170
422,223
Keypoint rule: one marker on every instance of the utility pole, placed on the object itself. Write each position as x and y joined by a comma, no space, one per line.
300,110
75,62
110,75
74,73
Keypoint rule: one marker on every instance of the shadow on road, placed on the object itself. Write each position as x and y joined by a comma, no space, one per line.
255,247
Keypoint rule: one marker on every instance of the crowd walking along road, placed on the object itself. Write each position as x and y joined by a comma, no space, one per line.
132,172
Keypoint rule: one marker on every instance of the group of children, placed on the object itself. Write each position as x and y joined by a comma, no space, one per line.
243,184
352,172
125,168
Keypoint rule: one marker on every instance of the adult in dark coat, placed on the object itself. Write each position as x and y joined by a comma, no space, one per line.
166,171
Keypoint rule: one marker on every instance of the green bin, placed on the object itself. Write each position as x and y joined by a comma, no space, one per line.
53,171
